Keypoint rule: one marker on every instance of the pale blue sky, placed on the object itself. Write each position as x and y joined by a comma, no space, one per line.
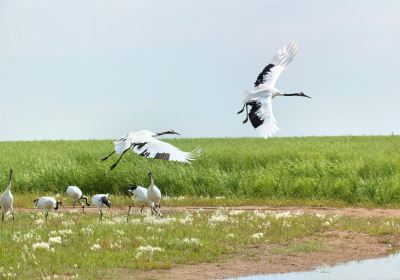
89,69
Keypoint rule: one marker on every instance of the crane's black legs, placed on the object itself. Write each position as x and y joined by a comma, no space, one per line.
155,210
116,163
247,114
141,209
101,215
241,111
129,210
105,158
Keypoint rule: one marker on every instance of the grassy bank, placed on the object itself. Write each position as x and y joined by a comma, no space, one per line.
71,245
352,170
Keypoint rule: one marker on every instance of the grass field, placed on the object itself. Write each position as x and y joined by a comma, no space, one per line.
349,170
71,245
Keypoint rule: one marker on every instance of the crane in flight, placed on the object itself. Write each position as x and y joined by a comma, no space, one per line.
260,98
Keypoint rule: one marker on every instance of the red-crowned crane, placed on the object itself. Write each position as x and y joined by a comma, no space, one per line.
260,98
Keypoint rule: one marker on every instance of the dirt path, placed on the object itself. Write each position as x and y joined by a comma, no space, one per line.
347,211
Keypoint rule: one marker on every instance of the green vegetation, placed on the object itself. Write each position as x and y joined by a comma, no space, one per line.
349,170
74,245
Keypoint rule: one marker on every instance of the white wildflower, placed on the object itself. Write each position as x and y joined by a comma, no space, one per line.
87,230
147,249
39,222
158,221
218,217
319,215
260,214
55,240
95,247
41,245
188,220
68,223
235,212
135,221
286,224
65,232
192,241
139,238
258,235
285,214
119,232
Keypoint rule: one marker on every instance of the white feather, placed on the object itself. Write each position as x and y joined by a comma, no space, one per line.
74,192
281,59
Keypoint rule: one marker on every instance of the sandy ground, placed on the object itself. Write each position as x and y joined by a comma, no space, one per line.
339,247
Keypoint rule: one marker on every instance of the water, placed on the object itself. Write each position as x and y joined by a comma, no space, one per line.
387,268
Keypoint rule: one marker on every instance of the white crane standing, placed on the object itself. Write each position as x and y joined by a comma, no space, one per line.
143,143
101,200
260,98
140,194
154,194
7,199
47,203
75,194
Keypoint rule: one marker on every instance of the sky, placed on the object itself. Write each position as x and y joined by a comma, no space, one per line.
98,69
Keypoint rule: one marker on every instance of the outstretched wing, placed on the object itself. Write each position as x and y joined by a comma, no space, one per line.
161,150
261,117
272,71
122,144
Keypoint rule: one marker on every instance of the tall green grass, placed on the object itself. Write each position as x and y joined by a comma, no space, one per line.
349,169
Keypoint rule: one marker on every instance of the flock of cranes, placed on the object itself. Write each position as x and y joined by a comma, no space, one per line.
150,197
258,107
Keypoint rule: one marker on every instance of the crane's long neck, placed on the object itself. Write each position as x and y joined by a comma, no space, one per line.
162,133
292,94
86,200
10,181
151,181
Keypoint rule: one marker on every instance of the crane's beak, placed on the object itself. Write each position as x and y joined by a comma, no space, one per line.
306,95
174,132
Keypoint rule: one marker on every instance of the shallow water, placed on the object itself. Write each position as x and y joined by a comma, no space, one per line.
387,268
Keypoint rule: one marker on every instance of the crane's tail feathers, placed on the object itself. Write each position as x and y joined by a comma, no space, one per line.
268,129
193,155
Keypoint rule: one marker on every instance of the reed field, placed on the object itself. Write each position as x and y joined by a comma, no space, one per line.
348,170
